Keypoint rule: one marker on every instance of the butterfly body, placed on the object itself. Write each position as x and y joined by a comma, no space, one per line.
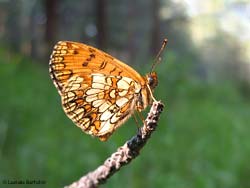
98,92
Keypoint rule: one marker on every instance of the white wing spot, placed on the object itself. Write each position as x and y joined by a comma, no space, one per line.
105,127
99,78
114,119
98,86
137,87
91,98
106,115
104,106
123,93
109,81
123,83
69,96
93,91
126,79
98,103
112,93
121,101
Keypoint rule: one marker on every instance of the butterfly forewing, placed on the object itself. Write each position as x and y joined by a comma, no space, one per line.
75,58
98,91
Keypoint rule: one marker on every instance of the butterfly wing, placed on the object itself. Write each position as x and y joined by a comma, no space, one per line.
72,58
98,91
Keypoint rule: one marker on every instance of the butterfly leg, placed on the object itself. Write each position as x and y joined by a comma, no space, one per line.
136,121
140,116
151,93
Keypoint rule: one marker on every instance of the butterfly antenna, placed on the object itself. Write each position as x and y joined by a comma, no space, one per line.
158,57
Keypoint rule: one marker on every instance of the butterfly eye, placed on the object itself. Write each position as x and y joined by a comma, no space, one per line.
152,80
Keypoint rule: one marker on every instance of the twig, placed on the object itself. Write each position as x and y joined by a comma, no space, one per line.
124,154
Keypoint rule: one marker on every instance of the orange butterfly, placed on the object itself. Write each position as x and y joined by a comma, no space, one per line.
98,91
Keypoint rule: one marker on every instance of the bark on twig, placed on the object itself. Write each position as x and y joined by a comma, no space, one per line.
124,154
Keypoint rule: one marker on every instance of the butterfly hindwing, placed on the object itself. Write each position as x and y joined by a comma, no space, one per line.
101,107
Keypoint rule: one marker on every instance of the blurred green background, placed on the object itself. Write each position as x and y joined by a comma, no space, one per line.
204,80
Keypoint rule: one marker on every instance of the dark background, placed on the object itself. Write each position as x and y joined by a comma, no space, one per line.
203,135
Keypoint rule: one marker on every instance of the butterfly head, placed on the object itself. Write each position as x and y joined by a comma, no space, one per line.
151,83
152,80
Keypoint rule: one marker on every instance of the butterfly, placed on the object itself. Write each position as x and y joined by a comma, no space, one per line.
98,92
